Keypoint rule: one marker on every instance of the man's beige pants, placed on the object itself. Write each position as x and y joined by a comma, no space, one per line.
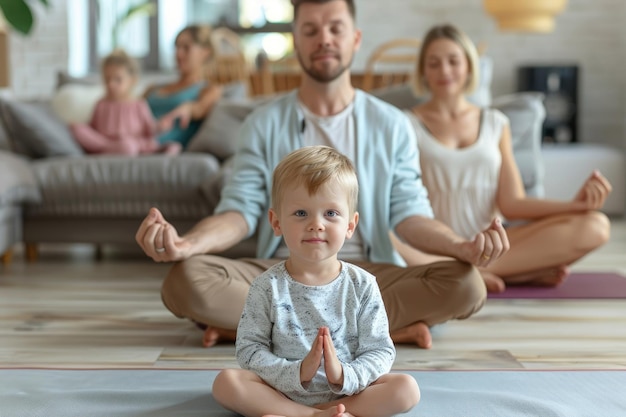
212,290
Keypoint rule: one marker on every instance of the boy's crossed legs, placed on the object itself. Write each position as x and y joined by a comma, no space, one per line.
246,393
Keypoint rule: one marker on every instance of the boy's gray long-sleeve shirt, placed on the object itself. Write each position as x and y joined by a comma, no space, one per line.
281,319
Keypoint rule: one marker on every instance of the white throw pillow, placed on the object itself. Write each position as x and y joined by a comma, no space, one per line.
74,103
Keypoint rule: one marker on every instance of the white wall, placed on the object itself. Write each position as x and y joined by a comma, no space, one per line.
36,59
590,33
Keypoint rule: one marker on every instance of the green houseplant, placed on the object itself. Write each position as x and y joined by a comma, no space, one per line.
19,14
147,8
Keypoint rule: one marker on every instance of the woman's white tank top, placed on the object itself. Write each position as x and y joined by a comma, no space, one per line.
462,183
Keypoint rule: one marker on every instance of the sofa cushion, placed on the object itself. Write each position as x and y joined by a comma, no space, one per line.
74,103
219,133
212,189
526,113
17,181
402,96
121,187
35,131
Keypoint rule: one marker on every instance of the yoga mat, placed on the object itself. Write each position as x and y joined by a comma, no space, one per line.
160,393
590,285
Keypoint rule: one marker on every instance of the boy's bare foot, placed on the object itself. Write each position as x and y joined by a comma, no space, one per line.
214,335
548,277
336,411
493,282
417,333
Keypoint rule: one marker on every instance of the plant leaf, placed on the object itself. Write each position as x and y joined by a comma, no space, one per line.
45,2
18,15
148,8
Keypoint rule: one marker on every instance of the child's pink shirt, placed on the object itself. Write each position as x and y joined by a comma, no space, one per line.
123,119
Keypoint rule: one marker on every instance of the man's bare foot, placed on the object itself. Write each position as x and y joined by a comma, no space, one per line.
493,282
548,277
214,335
417,333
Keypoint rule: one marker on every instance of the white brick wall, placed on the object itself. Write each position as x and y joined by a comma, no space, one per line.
36,59
589,32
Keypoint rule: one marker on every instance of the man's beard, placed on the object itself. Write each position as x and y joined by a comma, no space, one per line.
324,75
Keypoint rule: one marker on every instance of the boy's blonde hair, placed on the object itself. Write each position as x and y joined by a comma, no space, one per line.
454,34
119,58
314,166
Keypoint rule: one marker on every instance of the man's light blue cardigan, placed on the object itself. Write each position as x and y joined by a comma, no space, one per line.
387,165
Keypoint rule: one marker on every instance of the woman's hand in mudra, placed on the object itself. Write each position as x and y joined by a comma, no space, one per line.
182,113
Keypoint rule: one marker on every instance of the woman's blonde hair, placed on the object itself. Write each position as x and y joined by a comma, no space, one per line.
454,34
314,166
119,58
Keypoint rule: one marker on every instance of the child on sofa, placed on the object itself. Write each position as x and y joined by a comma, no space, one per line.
313,338
120,123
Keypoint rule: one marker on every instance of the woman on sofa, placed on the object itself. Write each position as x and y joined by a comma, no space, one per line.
182,105
470,173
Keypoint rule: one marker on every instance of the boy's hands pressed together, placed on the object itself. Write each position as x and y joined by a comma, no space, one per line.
322,346
332,366
311,363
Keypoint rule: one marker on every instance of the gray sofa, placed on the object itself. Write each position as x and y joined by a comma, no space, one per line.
51,192
18,188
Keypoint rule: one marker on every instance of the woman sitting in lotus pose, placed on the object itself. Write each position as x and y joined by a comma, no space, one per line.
470,173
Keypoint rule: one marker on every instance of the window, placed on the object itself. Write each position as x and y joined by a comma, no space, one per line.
264,26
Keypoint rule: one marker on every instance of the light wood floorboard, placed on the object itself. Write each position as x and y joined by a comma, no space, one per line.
69,310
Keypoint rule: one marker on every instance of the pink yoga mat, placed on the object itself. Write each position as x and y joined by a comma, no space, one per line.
577,285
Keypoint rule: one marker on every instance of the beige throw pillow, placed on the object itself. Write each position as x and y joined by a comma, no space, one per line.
74,103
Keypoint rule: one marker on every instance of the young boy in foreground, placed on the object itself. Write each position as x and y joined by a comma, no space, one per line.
313,339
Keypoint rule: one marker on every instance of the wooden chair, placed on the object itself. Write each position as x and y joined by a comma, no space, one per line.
280,75
229,62
226,42
399,56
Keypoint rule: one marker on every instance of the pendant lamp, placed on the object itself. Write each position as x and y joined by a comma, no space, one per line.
525,15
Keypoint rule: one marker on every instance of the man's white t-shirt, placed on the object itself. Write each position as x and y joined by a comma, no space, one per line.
336,131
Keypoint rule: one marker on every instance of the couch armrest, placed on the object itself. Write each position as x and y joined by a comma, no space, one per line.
17,181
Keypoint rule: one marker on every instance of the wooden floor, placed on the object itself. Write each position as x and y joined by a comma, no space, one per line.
71,311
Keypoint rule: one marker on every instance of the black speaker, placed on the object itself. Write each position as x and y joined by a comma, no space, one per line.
560,86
